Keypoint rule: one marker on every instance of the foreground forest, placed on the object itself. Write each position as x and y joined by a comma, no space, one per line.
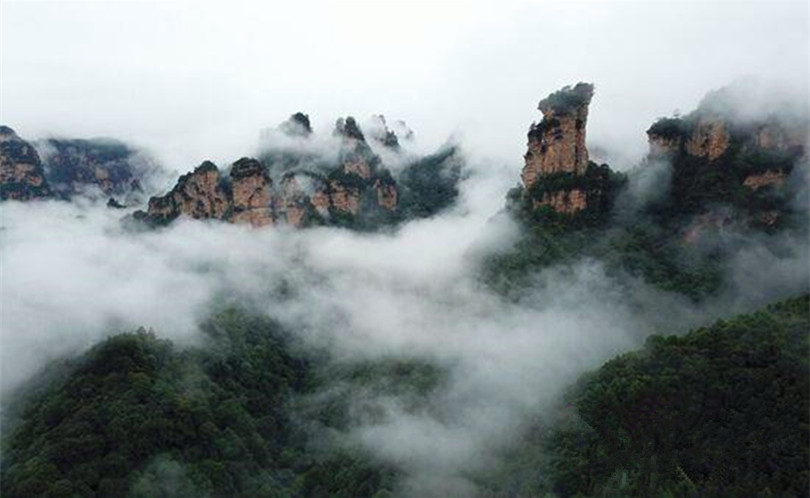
720,411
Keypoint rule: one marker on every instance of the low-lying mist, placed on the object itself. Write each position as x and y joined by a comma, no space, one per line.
72,274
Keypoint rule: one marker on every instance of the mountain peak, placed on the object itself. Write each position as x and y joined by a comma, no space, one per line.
348,128
297,125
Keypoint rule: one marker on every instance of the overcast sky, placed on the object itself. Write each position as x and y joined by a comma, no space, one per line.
197,79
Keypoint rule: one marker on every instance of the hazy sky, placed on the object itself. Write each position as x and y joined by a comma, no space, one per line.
196,79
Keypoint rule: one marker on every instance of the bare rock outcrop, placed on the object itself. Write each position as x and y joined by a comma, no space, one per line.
361,171
769,177
728,153
564,201
710,138
557,173
198,195
706,136
355,191
345,198
303,195
252,193
22,176
557,143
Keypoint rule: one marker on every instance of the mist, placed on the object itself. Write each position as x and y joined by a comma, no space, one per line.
72,274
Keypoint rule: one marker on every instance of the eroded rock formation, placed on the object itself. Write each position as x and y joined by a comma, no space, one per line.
770,177
252,193
198,195
710,139
722,158
22,176
557,143
358,186
557,173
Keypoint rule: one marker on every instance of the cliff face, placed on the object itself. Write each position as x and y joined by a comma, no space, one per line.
362,182
557,143
704,137
22,176
253,197
304,198
564,201
557,173
721,159
710,139
198,195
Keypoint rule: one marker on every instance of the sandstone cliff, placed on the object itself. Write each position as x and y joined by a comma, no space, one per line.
198,195
557,173
557,143
361,182
22,176
722,158
704,137
253,197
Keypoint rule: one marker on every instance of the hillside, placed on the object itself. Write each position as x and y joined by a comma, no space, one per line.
137,416
720,411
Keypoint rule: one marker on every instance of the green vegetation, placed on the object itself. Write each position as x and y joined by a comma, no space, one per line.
136,416
721,411
670,128
643,248
567,98
599,183
430,184
656,241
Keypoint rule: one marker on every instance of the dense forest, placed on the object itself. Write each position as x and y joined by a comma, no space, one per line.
719,411
138,416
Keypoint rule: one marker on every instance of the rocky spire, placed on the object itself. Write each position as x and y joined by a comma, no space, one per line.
557,143
297,125
382,134
348,129
557,173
